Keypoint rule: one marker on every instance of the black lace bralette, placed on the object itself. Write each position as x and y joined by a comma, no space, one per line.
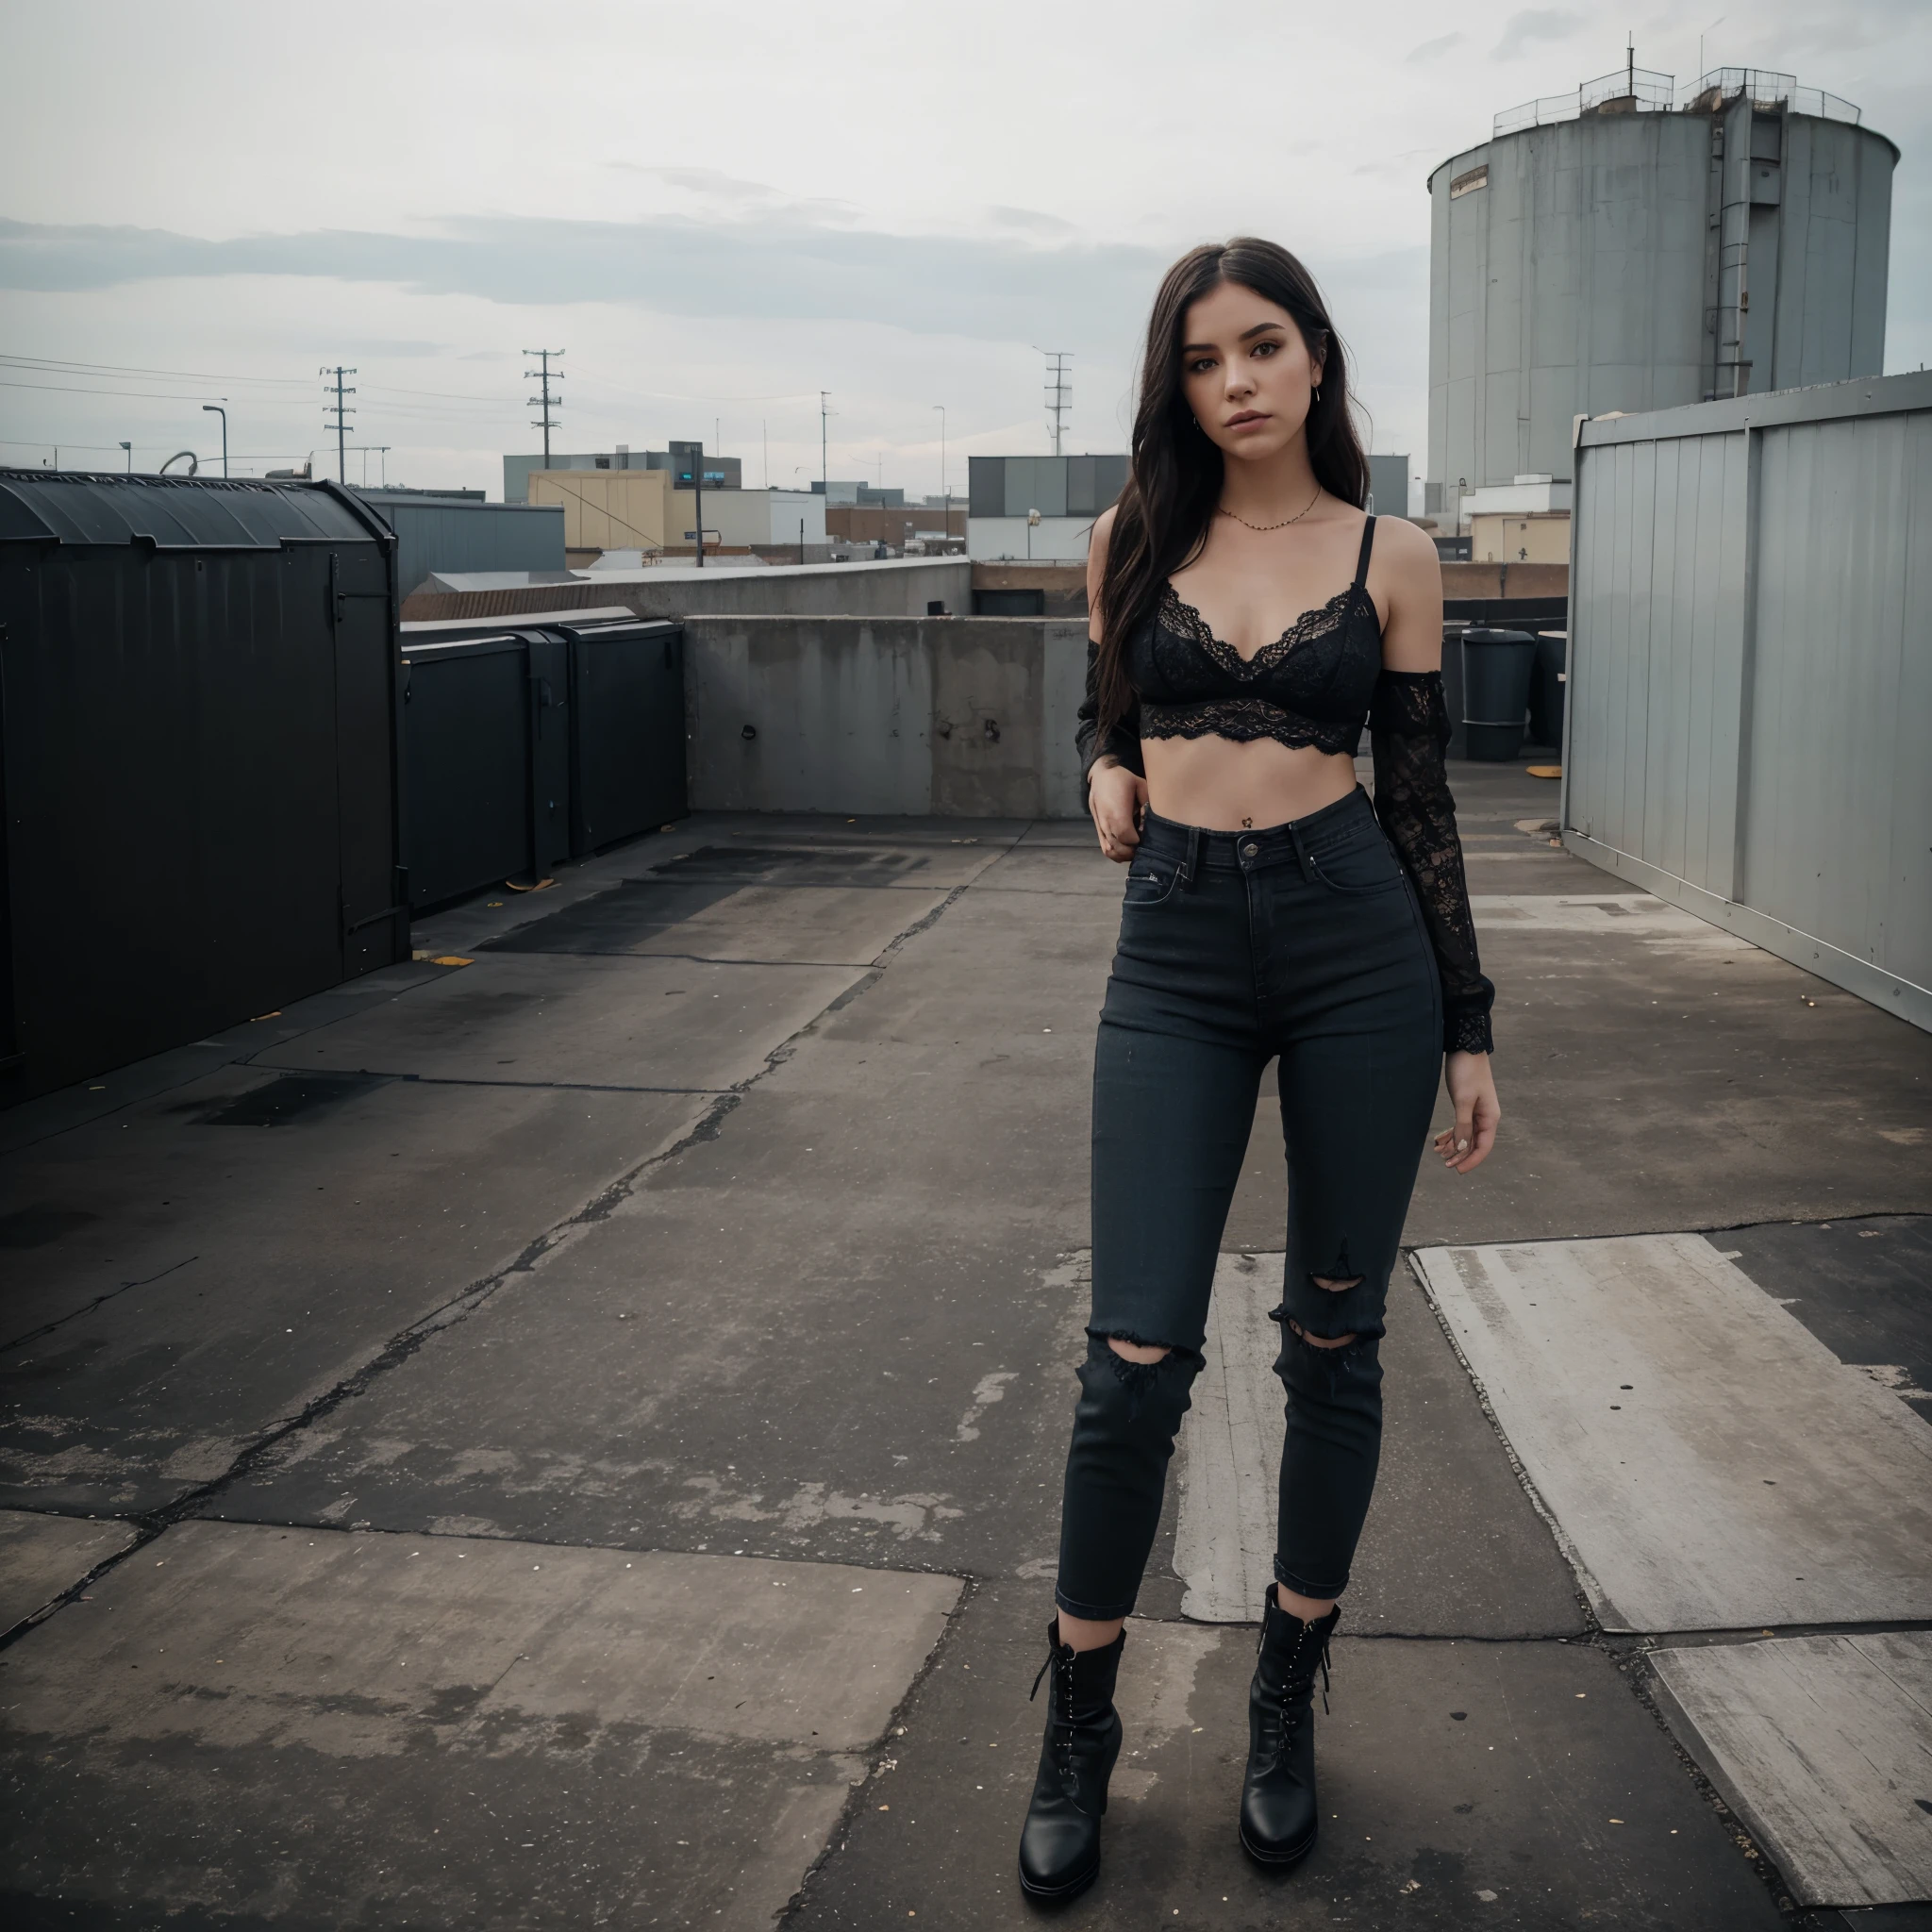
1310,687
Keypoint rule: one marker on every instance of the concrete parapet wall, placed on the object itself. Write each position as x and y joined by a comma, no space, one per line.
963,717
899,588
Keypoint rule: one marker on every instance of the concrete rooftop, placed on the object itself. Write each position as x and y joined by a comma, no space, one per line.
567,1433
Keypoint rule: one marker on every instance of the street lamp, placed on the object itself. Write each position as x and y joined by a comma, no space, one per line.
130,448
218,410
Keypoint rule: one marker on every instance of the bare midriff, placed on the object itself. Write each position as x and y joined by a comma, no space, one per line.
1225,787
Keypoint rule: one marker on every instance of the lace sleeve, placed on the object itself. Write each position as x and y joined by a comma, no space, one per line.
1408,724
1122,742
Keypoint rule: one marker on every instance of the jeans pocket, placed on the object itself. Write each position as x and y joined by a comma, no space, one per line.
1150,882
1365,867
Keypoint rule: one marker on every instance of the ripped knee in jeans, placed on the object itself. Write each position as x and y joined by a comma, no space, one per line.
1140,1368
1338,1280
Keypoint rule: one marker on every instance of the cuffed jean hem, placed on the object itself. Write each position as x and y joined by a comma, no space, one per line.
1300,1585
1106,1613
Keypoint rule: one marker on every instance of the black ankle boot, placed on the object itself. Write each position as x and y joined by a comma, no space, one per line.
1279,1816
1059,1844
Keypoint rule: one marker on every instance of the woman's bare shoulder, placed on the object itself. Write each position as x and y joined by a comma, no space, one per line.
1407,576
1408,548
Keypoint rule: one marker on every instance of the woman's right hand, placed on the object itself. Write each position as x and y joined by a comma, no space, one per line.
1116,797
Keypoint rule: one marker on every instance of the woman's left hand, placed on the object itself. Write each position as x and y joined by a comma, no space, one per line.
1473,1090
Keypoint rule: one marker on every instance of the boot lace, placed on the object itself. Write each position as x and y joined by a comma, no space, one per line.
1061,1699
1298,1684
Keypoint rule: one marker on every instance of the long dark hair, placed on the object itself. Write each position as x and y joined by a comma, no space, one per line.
1174,474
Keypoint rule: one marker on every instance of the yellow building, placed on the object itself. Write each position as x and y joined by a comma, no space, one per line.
1540,536
607,510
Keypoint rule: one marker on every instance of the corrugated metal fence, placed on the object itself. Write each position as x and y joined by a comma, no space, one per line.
1749,728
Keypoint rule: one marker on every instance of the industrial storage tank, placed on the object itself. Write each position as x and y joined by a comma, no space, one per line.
1621,248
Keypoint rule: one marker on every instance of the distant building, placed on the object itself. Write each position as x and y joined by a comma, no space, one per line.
1616,249
858,495
1388,486
1037,508
643,510
932,527
721,473
440,531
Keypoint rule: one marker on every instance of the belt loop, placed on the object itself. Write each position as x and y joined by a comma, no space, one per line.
1190,864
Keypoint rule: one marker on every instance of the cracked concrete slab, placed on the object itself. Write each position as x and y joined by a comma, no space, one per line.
797,924
1452,1546
1058,869
1649,1069
1474,1783
1858,1285
775,1344
838,859
366,1729
855,1308
1709,1463
637,1023
210,1281
43,1557
1824,1745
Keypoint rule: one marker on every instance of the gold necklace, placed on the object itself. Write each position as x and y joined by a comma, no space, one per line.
1261,528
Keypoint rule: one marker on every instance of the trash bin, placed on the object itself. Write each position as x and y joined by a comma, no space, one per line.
1547,688
1496,667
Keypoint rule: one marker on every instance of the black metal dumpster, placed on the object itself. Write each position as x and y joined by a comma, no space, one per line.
198,758
486,757
626,730
1496,666
533,743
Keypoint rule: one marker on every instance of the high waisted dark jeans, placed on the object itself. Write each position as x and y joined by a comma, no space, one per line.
1305,942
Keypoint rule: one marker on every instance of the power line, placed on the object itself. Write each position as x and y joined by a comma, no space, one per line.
341,415
58,364
545,375
62,389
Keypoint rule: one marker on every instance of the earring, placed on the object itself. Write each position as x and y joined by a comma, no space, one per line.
1318,392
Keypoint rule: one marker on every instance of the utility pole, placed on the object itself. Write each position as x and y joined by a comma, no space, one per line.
546,402
1060,391
342,414
825,468
697,480
945,487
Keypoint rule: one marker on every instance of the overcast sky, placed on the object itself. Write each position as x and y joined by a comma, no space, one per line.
720,209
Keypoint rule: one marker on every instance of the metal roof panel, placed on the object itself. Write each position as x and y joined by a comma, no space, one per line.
174,512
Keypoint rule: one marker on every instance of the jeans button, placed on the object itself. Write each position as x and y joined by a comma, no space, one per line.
1250,849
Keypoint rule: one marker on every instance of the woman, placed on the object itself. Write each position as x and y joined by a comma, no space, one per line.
1248,618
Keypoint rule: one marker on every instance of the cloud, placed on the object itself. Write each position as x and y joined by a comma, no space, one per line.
714,182
1030,221
781,266
716,188
384,345
1430,49
1522,31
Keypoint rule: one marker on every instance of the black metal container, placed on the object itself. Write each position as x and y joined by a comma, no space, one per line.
198,758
